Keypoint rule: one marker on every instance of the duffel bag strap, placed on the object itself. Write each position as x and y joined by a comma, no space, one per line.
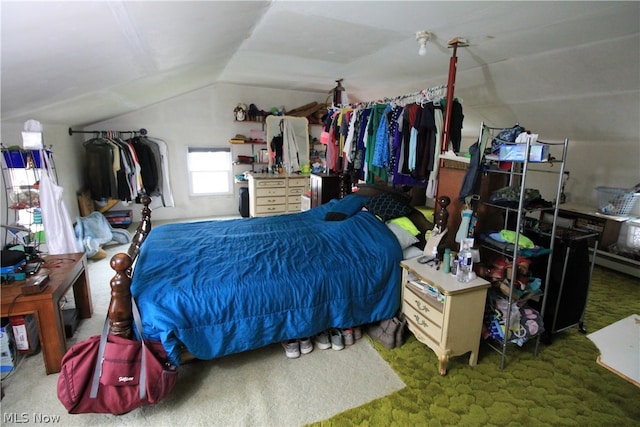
97,372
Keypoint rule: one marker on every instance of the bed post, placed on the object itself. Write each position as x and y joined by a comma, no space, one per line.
120,316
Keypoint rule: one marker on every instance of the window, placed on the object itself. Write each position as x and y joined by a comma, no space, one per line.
209,171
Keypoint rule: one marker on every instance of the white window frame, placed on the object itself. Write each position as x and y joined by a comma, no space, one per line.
196,171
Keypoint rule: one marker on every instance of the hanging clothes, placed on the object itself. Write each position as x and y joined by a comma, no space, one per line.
290,149
395,141
125,169
164,184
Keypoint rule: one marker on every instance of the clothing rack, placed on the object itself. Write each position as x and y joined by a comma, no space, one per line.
426,95
142,132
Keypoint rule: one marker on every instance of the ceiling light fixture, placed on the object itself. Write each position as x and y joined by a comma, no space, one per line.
422,37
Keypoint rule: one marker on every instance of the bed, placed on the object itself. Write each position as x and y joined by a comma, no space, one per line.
212,288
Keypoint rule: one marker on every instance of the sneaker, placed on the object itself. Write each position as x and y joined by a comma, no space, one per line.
347,334
291,348
336,339
306,346
322,340
357,332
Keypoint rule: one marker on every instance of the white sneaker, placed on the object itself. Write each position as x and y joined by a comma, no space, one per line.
322,340
291,348
306,346
337,343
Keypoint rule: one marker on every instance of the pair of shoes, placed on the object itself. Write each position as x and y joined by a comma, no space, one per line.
390,332
322,340
348,336
293,348
337,342
306,346
357,333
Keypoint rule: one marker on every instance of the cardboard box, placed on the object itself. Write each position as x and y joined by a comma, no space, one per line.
517,153
25,333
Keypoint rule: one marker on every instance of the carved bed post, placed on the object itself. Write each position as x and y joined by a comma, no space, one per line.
120,316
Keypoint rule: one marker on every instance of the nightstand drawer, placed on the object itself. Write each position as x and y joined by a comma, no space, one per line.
422,305
422,323
424,337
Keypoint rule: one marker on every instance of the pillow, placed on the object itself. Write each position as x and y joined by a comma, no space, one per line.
405,239
349,205
386,207
335,216
406,223
411,252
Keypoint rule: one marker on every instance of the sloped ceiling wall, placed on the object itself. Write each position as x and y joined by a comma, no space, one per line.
561,68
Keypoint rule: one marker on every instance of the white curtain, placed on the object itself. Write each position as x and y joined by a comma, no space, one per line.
58,228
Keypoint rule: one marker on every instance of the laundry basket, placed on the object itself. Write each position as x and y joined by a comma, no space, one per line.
616,201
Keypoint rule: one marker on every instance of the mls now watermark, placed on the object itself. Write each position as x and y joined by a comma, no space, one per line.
25,418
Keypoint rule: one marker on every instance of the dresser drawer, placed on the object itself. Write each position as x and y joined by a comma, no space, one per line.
296,191
270,209
274,200
294,207
298,182
261,183
424,305
264,192
422,325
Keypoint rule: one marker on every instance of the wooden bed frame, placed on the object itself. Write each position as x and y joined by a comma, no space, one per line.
120,314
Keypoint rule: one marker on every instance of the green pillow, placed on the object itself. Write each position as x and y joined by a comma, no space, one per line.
407,224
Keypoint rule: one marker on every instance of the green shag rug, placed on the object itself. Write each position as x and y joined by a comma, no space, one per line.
561,386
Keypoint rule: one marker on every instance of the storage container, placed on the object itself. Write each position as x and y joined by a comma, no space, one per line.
616,201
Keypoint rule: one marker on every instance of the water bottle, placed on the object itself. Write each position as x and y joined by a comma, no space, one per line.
465,262
446,260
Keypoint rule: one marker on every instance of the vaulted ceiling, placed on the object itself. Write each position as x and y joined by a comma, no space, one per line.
570,68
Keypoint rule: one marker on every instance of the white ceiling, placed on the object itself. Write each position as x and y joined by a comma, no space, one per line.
571,68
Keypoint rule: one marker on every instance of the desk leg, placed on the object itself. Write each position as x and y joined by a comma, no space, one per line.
51,330
82,296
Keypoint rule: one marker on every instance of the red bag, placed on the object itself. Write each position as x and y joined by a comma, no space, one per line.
132,373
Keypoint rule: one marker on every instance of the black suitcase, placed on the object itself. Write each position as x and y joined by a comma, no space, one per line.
244,202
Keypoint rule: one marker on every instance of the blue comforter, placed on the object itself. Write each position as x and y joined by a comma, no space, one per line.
221,287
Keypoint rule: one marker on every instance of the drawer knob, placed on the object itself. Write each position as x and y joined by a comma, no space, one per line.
420,322
422,307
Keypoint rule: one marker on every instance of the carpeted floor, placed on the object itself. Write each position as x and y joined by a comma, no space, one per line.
562,386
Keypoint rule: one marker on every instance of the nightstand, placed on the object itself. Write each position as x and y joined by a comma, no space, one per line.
442,313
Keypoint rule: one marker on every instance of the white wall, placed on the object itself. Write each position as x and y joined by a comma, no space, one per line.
202,118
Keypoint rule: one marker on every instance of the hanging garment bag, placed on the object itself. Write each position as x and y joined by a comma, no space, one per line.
58,228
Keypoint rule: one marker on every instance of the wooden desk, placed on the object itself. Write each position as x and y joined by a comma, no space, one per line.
65,271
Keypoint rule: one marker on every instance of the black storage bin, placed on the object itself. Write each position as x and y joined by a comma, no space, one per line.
244,202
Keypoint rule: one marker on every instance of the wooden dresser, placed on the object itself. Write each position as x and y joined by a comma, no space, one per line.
444,314
271,194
